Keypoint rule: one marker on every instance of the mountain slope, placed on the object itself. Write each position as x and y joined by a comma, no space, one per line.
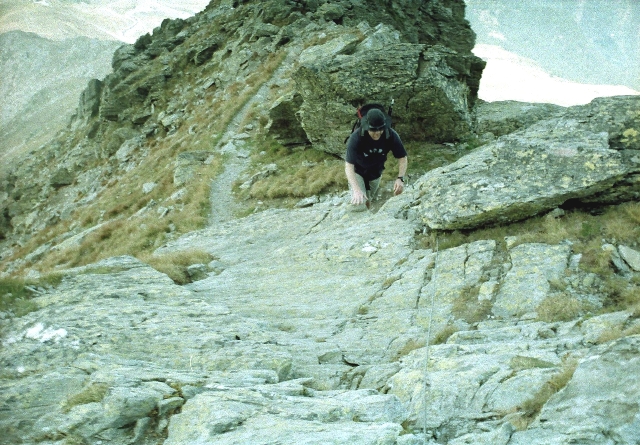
122,20
41,83
319,324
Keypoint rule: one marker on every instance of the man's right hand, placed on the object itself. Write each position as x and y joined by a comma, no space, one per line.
357,197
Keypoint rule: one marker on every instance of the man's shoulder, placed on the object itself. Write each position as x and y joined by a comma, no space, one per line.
395,137
394,134
355,141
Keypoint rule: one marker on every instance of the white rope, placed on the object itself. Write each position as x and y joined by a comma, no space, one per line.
426,363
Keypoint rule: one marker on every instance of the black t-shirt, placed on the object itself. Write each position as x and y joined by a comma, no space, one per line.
368,156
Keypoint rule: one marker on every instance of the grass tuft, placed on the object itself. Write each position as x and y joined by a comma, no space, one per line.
560,307
175,264
444,334
467,307
300,173
532,407
15,297
95,392
16,294
587,232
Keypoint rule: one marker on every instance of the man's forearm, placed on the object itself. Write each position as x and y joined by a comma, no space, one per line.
350,172
402,166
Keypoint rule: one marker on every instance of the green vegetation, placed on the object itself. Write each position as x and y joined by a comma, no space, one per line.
561,307
73,439
15,295
442,336
520,363
467,307
300,173
126,220
618,224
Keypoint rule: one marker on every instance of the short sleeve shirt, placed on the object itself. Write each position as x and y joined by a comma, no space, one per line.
369,156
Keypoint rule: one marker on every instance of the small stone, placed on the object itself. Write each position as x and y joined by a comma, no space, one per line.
166,406
589,280
630,256
141,428
307,202
617,261
148,187
574,261
556,213
197,272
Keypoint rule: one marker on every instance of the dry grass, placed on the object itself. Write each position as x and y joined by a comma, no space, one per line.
237,96
390,280
520,363
122,197
132,222
560,307
73,439
92,393
175,264
532,407
300,173
618,332
618,224
466,306
300,183
443,335
16,297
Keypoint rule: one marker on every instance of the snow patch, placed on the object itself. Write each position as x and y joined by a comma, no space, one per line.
38,332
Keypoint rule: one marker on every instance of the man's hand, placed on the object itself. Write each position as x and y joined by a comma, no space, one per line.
398,187
357,197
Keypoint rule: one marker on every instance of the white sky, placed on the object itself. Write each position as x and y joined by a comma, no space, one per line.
508,76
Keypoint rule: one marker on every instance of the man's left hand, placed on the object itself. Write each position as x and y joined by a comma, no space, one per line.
398,187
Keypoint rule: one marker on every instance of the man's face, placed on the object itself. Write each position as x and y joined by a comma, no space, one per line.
375,135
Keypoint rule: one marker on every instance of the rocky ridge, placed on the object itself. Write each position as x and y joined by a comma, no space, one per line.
163,88
311,325
590,154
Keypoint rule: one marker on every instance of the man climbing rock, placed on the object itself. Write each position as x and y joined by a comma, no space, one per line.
367,150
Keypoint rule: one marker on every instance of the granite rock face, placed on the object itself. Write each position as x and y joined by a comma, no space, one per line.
321,338
588,155
500,118
431,86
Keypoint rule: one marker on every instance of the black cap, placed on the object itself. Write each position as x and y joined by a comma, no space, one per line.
375,120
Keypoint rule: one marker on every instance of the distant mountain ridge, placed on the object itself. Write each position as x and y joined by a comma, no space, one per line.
41,83
121,20
50,49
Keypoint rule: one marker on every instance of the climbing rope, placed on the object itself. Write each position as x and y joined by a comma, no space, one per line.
426,362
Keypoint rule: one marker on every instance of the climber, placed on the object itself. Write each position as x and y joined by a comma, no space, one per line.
367,150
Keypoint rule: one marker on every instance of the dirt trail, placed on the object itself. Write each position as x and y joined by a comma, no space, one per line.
223,203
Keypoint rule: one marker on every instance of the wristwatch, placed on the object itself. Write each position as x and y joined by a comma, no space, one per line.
401,178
